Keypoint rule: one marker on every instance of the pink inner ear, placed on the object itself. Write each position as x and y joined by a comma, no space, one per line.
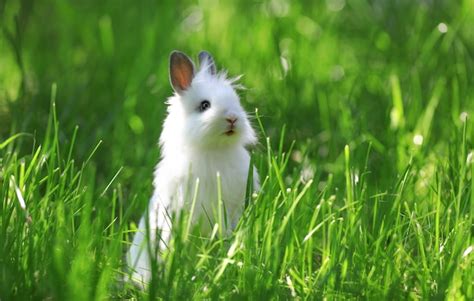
184,76
181,72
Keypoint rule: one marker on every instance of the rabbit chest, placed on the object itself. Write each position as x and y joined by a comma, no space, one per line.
197,175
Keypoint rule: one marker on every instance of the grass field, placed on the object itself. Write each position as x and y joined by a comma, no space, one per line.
364,112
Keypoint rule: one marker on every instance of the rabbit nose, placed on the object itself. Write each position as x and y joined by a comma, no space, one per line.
231,119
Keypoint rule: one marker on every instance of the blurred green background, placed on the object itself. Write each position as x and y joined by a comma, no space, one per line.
393,76
330,70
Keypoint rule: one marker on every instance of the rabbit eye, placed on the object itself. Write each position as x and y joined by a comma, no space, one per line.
205,104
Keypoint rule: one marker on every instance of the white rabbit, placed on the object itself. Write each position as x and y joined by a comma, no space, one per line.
206,132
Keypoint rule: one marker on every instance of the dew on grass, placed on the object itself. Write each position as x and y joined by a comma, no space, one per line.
418,139
467,251
20,198
291,286
285,65
19,195
470,159
442,27
356,178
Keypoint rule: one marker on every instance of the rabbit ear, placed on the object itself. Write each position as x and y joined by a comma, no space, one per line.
205,56
181,71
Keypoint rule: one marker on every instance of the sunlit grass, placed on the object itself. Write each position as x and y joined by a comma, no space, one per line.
364,113
64,237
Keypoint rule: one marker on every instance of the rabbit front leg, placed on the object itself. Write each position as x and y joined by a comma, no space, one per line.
152,235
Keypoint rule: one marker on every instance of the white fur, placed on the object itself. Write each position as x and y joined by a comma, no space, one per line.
194,146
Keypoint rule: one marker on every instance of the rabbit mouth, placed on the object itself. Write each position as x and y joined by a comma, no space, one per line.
230,132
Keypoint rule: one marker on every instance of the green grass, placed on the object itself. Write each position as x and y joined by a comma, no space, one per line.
367,186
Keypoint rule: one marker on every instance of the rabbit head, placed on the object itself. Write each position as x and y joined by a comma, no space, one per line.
205,110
